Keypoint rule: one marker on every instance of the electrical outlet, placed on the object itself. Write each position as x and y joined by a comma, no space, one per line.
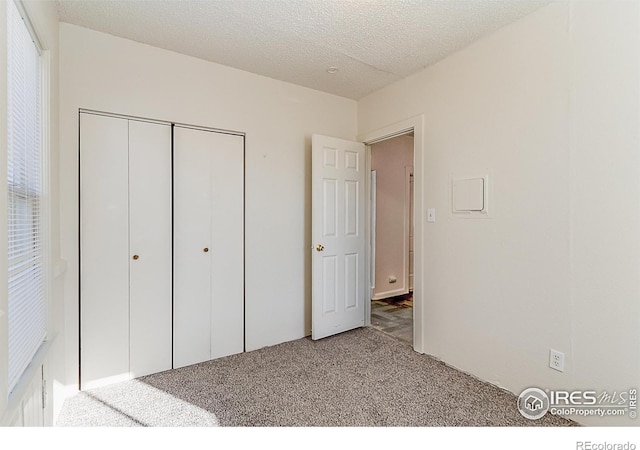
556,360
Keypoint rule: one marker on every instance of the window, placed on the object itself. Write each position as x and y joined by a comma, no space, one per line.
26,259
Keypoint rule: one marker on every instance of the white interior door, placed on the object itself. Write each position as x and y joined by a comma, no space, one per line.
104,250
149,247
208,245
338,234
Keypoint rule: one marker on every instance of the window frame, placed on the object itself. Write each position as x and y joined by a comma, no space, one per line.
10,401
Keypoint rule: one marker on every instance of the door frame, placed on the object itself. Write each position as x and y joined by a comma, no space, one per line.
415,124
409,212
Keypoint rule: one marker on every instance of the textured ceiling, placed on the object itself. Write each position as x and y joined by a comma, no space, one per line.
371,42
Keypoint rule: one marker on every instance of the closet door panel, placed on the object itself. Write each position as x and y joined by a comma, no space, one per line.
104,250
227,271
150,245
192,235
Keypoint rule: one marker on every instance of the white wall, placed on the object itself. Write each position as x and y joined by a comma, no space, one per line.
549,105
44,16
102,72
605,195
389,159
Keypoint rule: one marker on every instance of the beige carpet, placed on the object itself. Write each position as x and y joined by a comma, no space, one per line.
359,378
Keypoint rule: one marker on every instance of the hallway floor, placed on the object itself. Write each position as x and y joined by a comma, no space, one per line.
394,316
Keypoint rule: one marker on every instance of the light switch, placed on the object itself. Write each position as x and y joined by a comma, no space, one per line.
431,215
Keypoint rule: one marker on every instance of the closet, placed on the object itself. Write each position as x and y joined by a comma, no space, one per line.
161,246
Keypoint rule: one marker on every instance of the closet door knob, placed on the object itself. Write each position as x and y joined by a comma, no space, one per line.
206,249
135,257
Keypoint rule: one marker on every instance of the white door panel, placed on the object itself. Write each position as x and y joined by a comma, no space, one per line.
227,251
208,213
192,234
338,182
150,241
104,228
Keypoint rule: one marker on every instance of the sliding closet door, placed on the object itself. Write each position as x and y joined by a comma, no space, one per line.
150,247
208,245
104,250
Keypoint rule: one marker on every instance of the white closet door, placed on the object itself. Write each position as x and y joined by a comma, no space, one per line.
104,250
227,206
192,235
208,245
149,247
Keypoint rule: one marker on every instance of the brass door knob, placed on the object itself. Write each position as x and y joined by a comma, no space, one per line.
206,249
319,247
135,257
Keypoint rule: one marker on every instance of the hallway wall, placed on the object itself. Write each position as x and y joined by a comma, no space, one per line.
390,159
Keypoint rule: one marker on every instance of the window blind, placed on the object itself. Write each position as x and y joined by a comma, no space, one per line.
26,279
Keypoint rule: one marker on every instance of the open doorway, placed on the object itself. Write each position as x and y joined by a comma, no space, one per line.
392,243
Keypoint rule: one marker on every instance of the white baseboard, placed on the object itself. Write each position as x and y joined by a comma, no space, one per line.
387,294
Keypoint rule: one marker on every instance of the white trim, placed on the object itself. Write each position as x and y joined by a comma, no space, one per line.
160,122
389,294
41,356
59,268
45,118
408,170
403,127
372,239
50,272
386,134
212,130
16,396
370,234
34,368
369,249
27,22
4,333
